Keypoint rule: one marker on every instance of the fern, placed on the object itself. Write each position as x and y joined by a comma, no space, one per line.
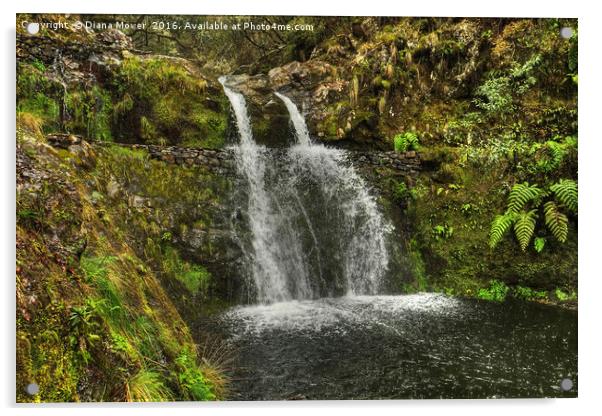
524,226
558,200
570,143
521,194
499,227
554,153
406,141
566,193
556,221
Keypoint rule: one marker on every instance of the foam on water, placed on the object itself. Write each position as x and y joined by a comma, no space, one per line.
337,314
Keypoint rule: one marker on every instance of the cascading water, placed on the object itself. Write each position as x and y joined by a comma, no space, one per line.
315,230
269,271
311,232
301,131
360,228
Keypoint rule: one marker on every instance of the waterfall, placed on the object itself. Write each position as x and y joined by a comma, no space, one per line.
269,271
361,227
297,119
314,230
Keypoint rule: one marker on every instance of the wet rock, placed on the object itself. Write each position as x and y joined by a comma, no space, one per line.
113,188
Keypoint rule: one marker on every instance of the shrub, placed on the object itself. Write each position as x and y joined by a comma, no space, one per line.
496,95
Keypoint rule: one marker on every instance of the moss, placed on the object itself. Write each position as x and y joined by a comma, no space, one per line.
160,101
331,125
38,95
90,113
194,277
462,263
93,325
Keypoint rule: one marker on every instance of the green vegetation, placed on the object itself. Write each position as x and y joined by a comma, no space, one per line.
443,231
194,277
161,101
156,101
36,102
90,113
191,380
526,293
402,192
496,95
147,386
119,255
522,211
405,142
107,308
496,291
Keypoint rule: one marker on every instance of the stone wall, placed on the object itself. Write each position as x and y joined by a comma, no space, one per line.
221,161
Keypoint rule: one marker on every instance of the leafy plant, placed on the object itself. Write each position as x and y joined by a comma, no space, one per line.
566,193
466,208
556,221
563,296
402,192
191,380
84,324
496,291
526,293
521,194
444,231
539,243
524,202
405,142
524,225
550,155
496,94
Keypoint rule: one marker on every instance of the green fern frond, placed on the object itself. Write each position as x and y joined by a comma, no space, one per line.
499,226
556,152
570,142
556,221
566,193
521,194
524,226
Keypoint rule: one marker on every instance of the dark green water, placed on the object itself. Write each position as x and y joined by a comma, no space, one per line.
400,347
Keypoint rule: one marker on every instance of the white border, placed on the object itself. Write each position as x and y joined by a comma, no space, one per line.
590,156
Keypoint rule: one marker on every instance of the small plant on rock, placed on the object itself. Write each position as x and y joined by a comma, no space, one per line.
406,142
